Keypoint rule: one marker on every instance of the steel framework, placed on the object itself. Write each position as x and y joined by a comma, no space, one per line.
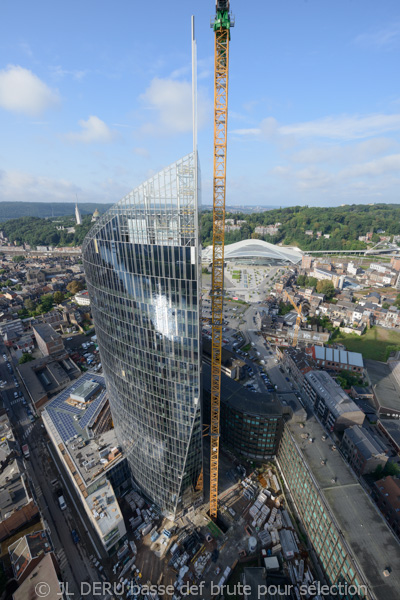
222,35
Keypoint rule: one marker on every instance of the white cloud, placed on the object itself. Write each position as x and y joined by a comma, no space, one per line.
171,102
26,49
252,131
313,178
373,168
142,152
381,39
22,91
344,127
94,130
20,186
58,72
339,153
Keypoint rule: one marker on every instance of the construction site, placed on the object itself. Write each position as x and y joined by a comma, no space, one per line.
256,534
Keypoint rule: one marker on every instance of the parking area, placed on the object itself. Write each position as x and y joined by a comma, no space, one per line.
84,351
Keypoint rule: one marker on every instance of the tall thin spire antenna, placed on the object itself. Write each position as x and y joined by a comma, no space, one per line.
194,87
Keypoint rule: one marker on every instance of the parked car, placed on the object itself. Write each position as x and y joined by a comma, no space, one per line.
75,536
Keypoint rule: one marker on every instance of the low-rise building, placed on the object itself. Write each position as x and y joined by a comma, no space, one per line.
297,362
17,506
381,268
82,298
231,365
78,422
26,553
333,406
363,451
391,430
48,340
332,359
16,327
387,497
46,574
47,376
384,378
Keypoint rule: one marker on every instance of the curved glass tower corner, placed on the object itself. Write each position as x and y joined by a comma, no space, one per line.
142,268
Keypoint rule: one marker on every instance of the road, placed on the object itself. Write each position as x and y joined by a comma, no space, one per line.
73,559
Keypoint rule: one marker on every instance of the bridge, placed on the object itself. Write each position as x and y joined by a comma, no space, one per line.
379,248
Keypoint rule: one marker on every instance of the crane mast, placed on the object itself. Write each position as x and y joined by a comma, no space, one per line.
299,318
221,25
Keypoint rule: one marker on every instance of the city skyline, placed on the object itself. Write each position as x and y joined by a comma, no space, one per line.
92,109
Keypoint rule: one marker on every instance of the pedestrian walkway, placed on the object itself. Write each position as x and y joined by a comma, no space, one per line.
28,431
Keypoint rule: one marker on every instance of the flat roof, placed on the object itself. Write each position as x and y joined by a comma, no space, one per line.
46,332
13,494
393,429
359,521
68,422
384,384
59,371
85,390
44,572
105,508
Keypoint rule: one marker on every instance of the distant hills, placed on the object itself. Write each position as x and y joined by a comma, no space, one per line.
251,208
44,210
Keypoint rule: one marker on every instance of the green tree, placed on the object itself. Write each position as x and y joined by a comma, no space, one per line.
25,358
18,259
326,287
311,282
58,297
46,303
29,304
284,309
385,305
301,281
390,468
75,286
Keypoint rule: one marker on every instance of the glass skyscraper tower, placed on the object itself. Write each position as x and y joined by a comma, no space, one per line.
142,268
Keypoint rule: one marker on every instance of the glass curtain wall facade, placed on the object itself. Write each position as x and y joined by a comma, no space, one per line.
143,274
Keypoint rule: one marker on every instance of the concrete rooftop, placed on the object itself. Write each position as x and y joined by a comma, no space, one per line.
371,544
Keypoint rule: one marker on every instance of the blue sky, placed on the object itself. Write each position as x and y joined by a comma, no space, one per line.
95,97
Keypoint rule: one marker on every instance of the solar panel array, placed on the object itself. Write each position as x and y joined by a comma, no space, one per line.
62,414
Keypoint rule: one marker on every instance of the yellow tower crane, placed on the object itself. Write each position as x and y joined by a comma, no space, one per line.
300,317
221,26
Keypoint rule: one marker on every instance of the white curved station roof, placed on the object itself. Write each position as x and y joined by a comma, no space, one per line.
257,249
